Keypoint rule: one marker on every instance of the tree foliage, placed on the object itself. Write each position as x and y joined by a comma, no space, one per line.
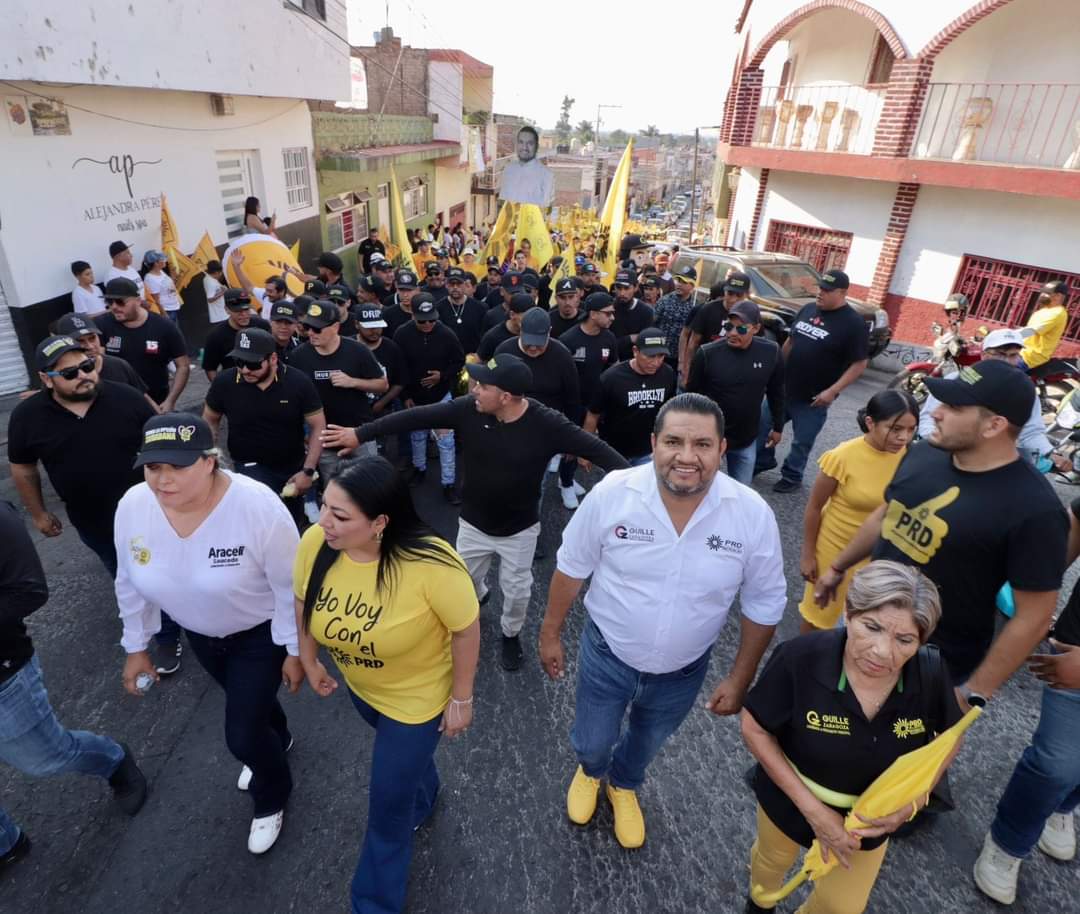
584,130
650,131
562,125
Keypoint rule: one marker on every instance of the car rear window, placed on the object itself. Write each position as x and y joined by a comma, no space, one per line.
790,280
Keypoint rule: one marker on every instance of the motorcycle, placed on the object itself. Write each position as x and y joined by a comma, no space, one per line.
949,352
1064,434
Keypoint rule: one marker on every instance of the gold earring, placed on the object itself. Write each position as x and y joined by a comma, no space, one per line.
378,537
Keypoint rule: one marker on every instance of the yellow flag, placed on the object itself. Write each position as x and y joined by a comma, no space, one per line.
170,240
196,263
404,258
295,249
564,270
531,225
498,243
614,215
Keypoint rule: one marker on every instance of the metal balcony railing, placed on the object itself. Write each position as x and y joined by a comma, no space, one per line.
1035,124
825,118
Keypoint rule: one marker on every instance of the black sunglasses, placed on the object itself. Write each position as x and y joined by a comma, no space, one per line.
432,321
88,366
740,329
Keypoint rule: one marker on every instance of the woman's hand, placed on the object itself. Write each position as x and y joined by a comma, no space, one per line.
885,825
135,665
828,826
321,682
337,436
808,567
456,718
826,586
292,674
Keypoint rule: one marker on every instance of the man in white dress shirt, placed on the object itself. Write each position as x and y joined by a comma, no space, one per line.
528,180
668,546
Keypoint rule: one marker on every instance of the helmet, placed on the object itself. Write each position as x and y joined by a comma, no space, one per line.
956,302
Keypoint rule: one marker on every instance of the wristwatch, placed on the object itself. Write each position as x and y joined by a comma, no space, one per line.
972,698
309,472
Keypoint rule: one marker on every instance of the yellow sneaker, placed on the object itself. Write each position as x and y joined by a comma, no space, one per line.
581,797
629,822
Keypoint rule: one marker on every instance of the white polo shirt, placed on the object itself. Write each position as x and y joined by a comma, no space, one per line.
660,599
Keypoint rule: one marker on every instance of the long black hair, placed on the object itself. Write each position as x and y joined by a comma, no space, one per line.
888,404
251,207
376,487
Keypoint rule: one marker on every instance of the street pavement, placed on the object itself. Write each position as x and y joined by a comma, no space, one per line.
499,840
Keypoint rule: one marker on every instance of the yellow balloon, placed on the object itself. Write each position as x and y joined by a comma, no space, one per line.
264,257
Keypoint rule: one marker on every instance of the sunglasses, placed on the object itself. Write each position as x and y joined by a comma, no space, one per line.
432,321
72,372
608,312
740,329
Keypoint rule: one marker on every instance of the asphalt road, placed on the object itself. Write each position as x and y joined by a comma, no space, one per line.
499,840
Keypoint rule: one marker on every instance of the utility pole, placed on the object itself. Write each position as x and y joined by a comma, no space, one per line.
693,182
596,154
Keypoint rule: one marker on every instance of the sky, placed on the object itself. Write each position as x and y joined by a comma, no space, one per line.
671,71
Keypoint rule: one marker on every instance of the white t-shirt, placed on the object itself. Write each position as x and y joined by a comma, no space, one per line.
531,182
88,301
660,599
215,309
130,273
164,290
232,574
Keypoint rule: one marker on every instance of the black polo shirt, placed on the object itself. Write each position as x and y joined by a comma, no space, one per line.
221,340
266,426
89,459
803,699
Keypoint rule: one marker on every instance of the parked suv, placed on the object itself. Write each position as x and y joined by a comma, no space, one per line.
780,285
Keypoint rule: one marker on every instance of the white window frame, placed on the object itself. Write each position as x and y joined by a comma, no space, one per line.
294,160
415,198
336,208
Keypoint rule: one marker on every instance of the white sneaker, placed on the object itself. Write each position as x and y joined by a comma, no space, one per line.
244,781
569,497
553,464
996,872
579,489
264,832
1058,838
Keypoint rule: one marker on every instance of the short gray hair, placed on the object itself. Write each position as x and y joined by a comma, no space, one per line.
885,583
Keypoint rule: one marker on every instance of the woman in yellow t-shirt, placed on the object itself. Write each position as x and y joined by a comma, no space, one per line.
849,487
395,607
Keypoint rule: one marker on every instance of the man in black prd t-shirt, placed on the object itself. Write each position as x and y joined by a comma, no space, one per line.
567,312
222,338
972,515
592,344
460,312
625,402
827,349
631,314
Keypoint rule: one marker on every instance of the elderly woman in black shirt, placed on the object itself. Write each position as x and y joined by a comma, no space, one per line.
830,712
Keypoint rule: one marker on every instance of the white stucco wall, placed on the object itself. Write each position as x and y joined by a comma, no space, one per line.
445,98
948,223
833,46
453,185
248,48
58,209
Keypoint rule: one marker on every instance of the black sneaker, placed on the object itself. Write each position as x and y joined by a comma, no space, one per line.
417,476
512,654
18,850
128,783
451,495
786,485
765,467
167,656
753,908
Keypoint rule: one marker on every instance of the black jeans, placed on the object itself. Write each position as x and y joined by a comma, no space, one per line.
276,480
247,666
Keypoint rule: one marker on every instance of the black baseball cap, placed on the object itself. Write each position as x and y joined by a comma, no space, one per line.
993,384
520,302
535,327
511,280
253,345
455,274
589,268
440,252
832,280
76,325
371,284
405,279
330,261
178,439
686,273
301,303
530,280
320,314
51,348
493,263
625,278
737,283
118,247
747,310
651,281
652,341
567,286
597,301
1056,287
338,293
316,288
505,371
237,300
370,318
285,311
120,287
381,263
424,311
431,268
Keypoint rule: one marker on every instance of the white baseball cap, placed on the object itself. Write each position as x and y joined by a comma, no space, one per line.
996,339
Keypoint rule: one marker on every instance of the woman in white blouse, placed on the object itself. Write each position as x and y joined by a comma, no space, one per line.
215,551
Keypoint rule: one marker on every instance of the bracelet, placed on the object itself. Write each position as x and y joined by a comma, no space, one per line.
460,701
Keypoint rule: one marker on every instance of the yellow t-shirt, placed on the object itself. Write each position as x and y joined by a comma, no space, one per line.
394,654
478,270
862,473
1049,326
419,260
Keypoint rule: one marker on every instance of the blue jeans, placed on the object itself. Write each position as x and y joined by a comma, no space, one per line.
447,454
34,741
247,666
806,422
606,686
276,480
402,789
1047,777
740,462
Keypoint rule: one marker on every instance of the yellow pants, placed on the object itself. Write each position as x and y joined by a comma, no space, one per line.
840,892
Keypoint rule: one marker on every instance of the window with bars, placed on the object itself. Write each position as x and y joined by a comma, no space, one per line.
297,177
415,199
346,220
1007,293
315,8
824,249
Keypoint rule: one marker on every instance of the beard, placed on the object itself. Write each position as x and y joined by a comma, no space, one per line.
82,396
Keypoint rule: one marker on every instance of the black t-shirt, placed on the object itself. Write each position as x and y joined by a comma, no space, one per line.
970,533
708,320
630,319
22,590
392,360
489,296
627,403
266,426
494,338
343,405
440,350
116,369
366,248
593,355
466,320
802,699
560,324
89,460
736,380
504,462
148,348
554,377
283,352
396,317
221,340
824,344
437,293
494,317
1067,627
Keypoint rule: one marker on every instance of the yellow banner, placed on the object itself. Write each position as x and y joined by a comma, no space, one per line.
531,226
614,215
498,243
404,258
